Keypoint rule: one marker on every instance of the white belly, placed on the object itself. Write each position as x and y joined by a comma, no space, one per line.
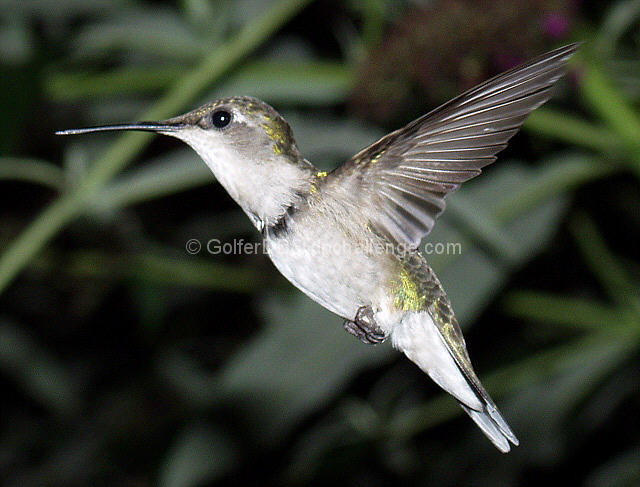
327,267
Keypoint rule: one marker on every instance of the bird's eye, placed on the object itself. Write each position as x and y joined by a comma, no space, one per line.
220,118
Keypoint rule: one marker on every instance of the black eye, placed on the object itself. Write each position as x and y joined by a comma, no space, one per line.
220,118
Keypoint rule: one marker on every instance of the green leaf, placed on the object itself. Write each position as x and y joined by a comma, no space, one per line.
159,34
620,17
556,176
17,43
609,270
55,11
158,268
561,126
482,228
177,171
561,310
36,371
324,137
291,82
626,74
71,86
621,471
299,362
199,455
32,171
279,81
608,102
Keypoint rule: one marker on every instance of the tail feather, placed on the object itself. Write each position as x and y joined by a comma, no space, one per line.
493,426
490,428
421,341
489,418
502,424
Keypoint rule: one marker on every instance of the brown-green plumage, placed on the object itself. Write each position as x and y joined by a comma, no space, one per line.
417,288
432,298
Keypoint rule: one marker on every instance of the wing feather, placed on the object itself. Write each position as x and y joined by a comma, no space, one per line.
405,176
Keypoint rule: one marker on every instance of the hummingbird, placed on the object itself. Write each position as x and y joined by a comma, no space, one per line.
349,238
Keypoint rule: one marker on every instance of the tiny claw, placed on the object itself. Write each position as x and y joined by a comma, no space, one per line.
364,327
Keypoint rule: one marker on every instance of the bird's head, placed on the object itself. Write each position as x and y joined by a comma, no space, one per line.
247,144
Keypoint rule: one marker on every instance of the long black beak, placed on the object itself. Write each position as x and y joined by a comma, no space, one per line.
143,126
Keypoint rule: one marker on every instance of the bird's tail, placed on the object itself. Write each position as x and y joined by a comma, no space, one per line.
446,361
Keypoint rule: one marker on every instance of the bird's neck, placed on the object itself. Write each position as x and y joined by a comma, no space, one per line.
273,195
265,190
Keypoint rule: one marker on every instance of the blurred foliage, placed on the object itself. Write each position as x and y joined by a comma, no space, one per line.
413,62
124,360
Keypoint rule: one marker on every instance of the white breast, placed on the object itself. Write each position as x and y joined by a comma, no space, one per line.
325,265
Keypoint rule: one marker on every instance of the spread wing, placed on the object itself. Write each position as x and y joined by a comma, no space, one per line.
406,175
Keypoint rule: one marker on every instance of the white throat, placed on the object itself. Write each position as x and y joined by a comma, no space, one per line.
264,189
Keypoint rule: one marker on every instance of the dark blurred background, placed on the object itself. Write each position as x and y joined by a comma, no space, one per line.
126,360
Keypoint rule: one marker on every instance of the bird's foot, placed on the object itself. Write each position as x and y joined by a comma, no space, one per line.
364,326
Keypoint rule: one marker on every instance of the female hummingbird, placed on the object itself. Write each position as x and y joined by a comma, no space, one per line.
349,238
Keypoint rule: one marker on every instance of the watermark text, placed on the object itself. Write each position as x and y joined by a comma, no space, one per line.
241,246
